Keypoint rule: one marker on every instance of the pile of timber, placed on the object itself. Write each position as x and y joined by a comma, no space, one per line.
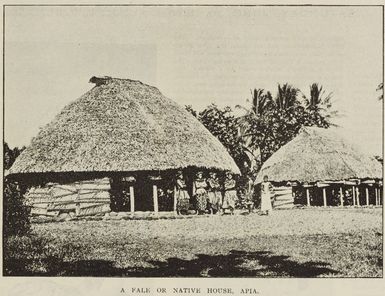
283,197
81,198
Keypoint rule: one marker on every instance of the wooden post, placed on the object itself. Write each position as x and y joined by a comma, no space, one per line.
354,195
175,201
155,197
132,199
367,196
376,191
308,197
341,197
358,196
324,196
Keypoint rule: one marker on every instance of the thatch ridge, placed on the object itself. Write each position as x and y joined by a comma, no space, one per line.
318,154
122,125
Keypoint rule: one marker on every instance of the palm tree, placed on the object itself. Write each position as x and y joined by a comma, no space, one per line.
249,124
286,97
261,103
318,102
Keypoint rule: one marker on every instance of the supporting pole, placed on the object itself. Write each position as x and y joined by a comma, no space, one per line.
308,197
379,196
354,195
155,197
358,196
175,201
132,200
377,199
341,197
367,196
324,196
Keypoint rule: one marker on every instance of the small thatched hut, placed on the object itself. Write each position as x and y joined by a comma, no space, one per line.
120,137
321,158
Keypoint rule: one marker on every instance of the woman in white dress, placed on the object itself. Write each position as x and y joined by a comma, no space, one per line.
267,192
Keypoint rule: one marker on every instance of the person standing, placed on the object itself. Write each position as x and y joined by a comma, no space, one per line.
200,193
213,193
249,194
230,196
182,196
267,192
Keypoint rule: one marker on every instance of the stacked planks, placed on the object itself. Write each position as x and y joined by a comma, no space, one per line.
83,198
283,197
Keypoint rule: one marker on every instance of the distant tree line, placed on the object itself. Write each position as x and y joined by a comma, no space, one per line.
268,122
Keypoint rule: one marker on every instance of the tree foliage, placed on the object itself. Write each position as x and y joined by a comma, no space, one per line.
222,123
15,210
190,109
268,122
10,155
286,114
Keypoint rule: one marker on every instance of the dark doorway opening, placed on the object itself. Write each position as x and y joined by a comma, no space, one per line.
143,194
120,195
166,191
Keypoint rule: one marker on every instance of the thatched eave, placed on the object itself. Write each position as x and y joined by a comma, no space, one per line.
122,125
319,155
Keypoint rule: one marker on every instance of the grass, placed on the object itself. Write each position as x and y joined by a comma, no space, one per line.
291,243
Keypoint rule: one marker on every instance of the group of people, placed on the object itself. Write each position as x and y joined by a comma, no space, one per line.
208,193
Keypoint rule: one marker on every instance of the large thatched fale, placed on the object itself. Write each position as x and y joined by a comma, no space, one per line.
122,139
317,154
122,125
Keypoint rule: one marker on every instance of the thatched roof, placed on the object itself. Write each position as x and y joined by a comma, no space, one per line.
122,125
318,154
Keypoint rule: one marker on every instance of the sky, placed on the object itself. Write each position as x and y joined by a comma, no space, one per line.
195,56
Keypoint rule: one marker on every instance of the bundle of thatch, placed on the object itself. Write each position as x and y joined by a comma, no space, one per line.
122,125
318,154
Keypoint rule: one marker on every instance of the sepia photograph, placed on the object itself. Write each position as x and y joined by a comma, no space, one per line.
193,141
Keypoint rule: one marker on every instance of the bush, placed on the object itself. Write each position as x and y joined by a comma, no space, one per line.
15,210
